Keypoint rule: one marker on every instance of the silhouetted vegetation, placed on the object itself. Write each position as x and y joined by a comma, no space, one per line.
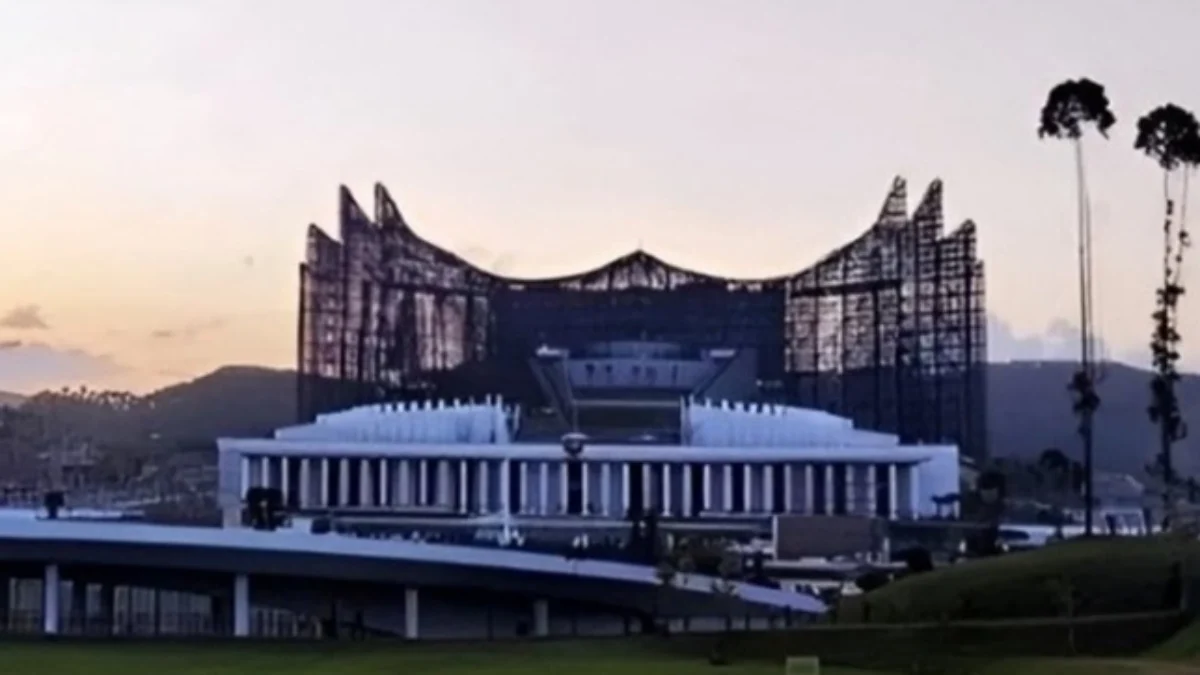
1071,107
1170,136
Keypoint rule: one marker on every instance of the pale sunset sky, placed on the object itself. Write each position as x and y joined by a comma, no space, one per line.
160,159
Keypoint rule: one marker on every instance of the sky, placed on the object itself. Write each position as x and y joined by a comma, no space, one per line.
160,159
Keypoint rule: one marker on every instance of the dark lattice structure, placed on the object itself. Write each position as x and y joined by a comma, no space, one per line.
889,330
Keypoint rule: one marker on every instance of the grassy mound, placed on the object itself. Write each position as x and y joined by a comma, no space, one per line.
1182,646
1104,576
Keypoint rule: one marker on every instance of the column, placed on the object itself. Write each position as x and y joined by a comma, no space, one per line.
873,480
810,497
647,487
666,489
563,486
687,491
324,473
523,488
264,472
893,486
543,488
484,480
727,491
305,498
829,490
384,482
405,486
584,475
365,496
541,618
50,602
464,498
707,504
914,491
412,614
768,488
284,486
748,488
245,484
789,498
625,479
344,482
443,483
241,606
851,493
606,490
423,482
505,486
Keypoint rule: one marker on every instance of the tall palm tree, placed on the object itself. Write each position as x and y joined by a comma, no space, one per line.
1071,107
1170,136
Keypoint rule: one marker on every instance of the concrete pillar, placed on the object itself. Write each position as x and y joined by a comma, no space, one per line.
305,499
543,507
606,491
241,606
727,488
50,600
285,487
541,618
584,492
245,482
789,482
412,614
768,493
625,489
343,482
324,483
706,503
423,482
748,488
687,491
464,496
523,489
666,505
385,480
893,488
810,505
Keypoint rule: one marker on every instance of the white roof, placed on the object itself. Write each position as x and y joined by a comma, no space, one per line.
244,539
901,454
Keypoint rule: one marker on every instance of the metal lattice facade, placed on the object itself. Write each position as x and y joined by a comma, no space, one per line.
888,330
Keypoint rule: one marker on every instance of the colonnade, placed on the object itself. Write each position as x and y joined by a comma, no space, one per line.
583,487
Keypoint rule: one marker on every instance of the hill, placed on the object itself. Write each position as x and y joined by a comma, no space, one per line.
1028,411
10,400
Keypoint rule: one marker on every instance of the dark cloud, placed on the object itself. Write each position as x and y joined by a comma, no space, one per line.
24,317
188,331
33,366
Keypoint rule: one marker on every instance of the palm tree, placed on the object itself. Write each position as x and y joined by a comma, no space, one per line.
1170,136
1070,108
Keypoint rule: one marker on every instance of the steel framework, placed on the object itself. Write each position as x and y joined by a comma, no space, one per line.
888,330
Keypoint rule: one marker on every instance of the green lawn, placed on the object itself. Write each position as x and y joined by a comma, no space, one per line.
596,658
605,657
1108,576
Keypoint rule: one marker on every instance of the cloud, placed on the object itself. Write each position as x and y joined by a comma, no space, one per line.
187,332
1059,342
24,317
34,366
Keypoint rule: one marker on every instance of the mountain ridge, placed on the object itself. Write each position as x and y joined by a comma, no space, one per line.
1028,411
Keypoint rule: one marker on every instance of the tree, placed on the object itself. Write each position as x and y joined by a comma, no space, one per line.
1170,136
1070,108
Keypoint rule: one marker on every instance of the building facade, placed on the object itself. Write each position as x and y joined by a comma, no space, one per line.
888,331
461,461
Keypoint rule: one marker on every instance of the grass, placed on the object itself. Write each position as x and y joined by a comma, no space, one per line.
1107,576
604,657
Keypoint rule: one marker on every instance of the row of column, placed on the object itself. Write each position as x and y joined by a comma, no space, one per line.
52,616
582,487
